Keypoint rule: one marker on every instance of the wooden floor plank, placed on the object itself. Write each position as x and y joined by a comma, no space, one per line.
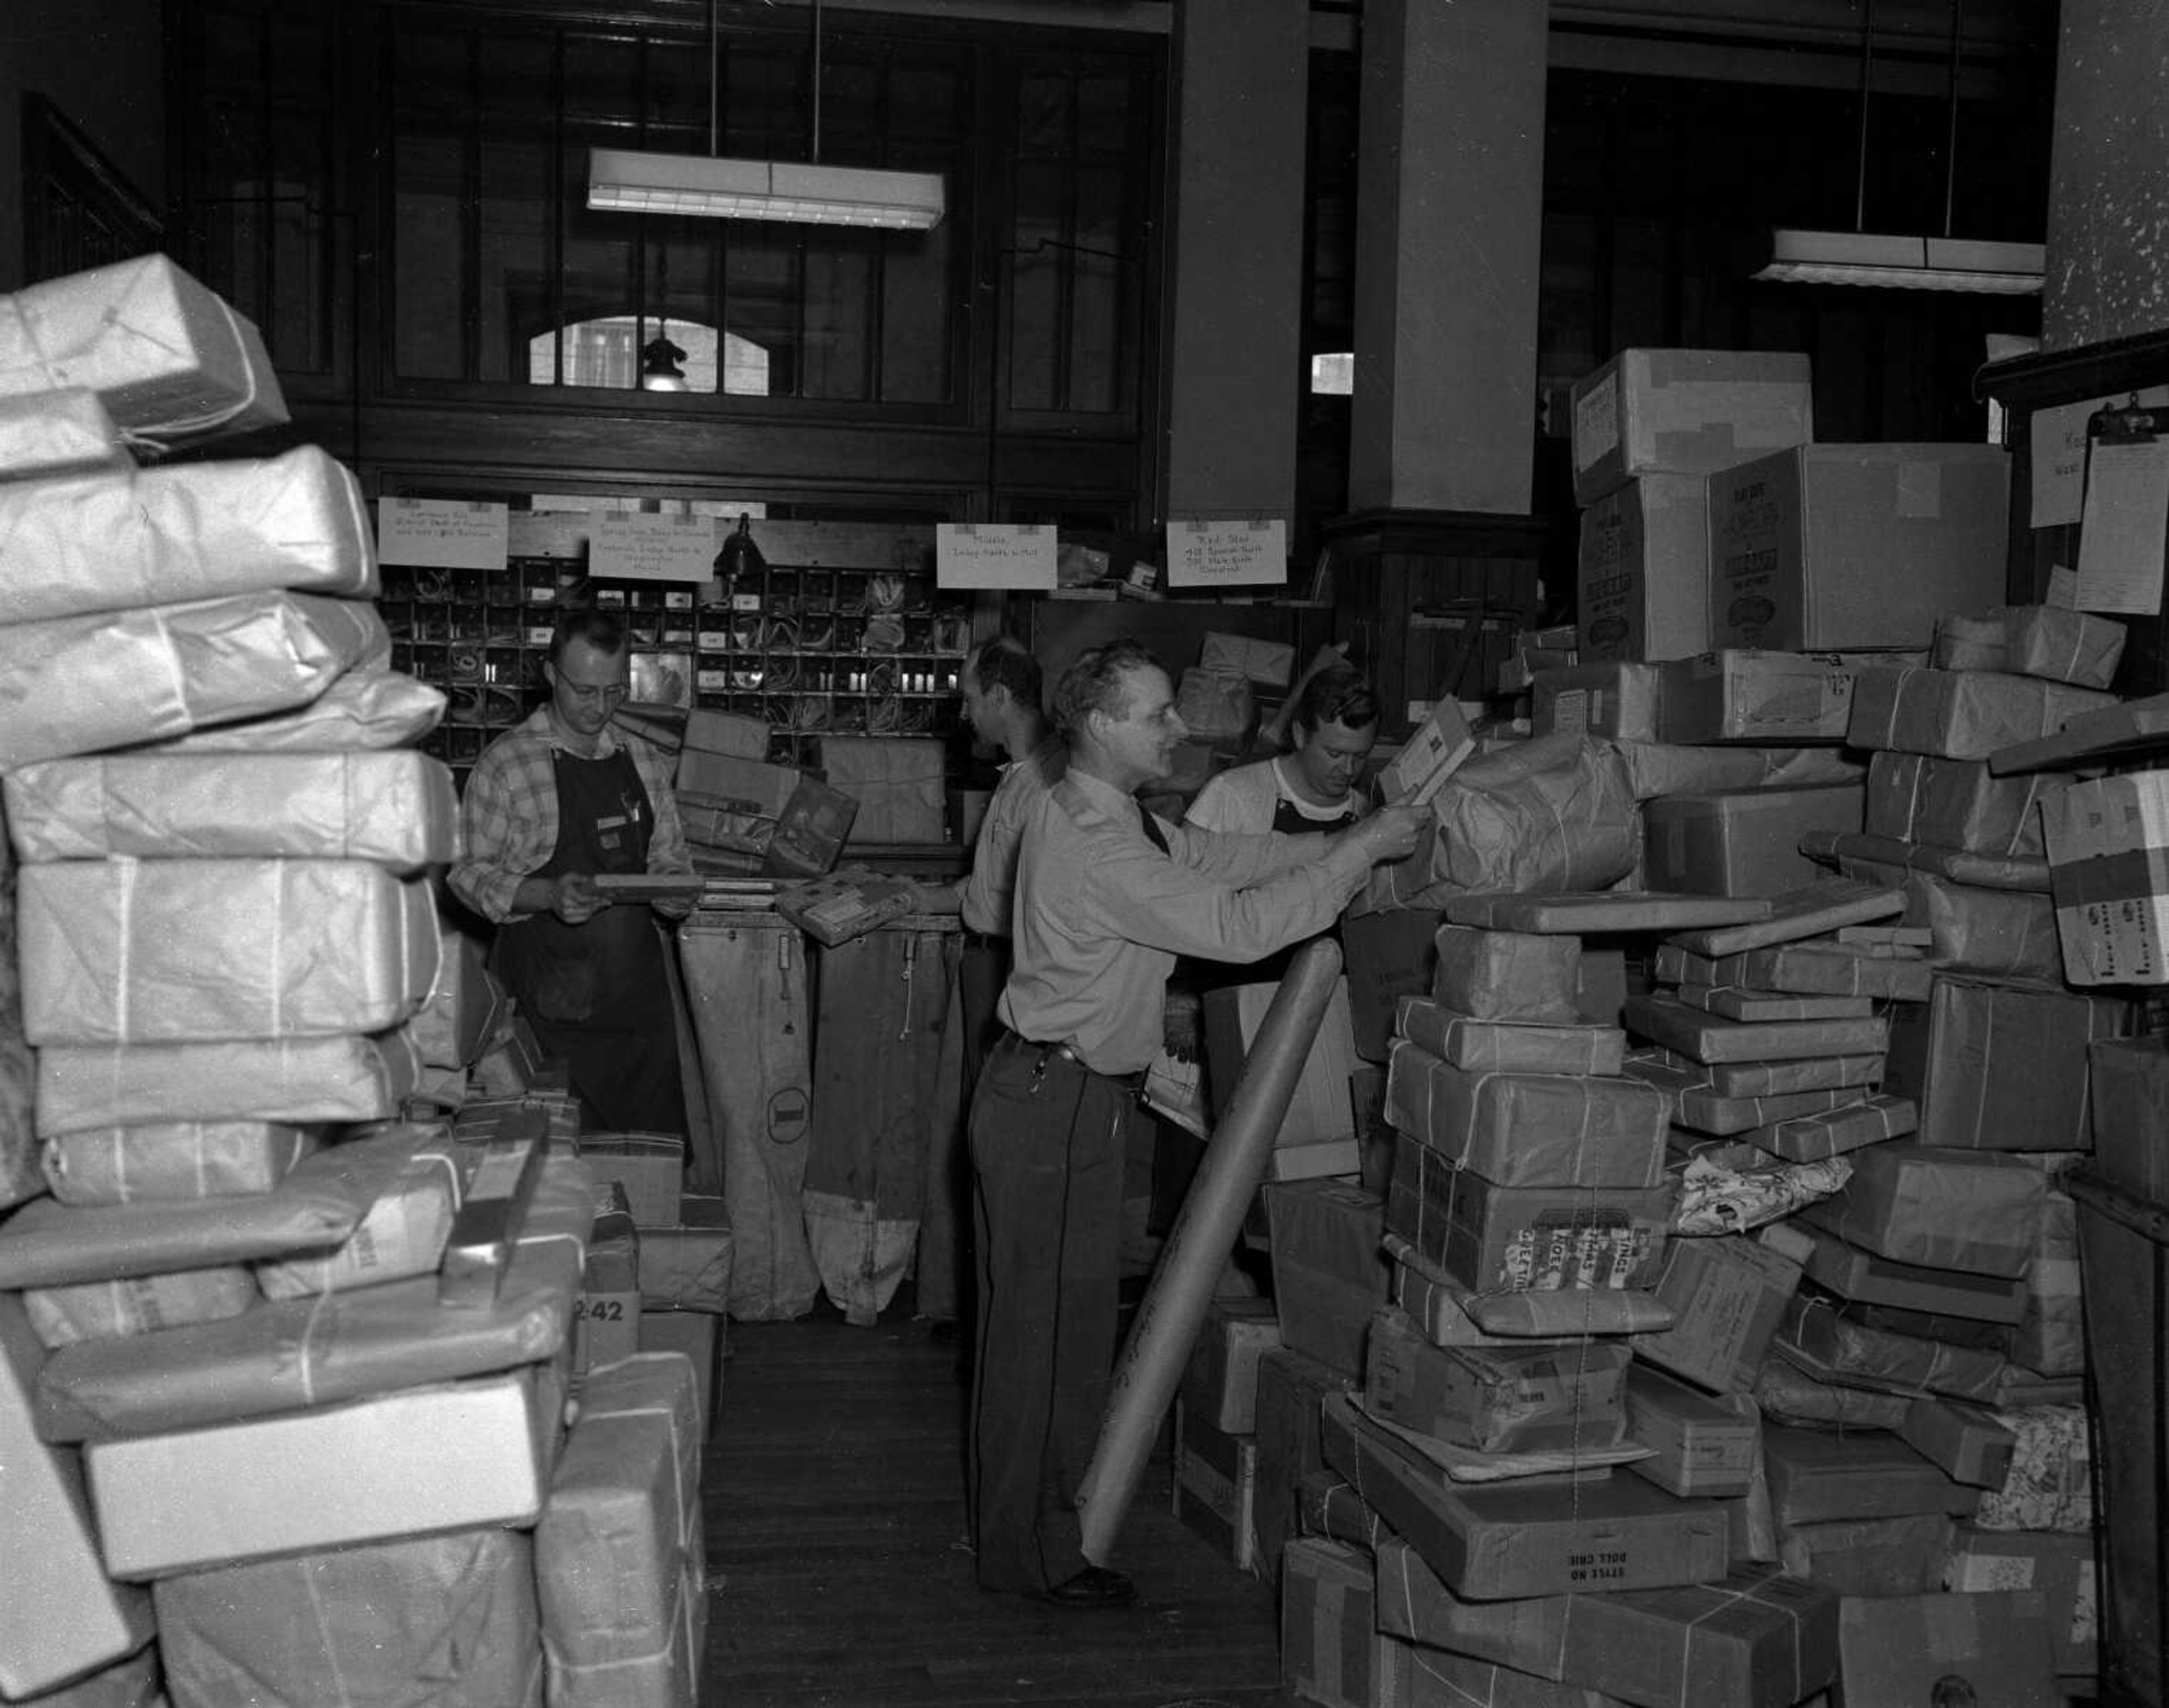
837,1570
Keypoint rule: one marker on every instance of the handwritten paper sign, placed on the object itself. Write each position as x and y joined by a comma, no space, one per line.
632,545
440,532
1017,556
2059,461
2121,536
1227,554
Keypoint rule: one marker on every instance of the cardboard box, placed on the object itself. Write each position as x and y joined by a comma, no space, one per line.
1508,975
1495,1399
1510,1046
1754,1638
1220,1382
313,1480
1816,1477
2057,1565
688,1267
1687,411
2051,1335
1706,1445
1895,1650
2046,640
729,733
1318,1111
1757,697
1268,663
1959,804
1711,1039
650,1168
182,1160
455,1610
1328,1273
1833,546
1999,1067
700,1336
1292,1387
1901,1555
1960,714
1617,699
1810,1138
1530,1129
1517,1238
1388,957
2130,1130
1215,1487
1966,1442
1450,1314
1327,1650
606,1317
1727,1294
1501,1540
2107,844
619,1565
1642,572
1740,845
1867,1279
898,782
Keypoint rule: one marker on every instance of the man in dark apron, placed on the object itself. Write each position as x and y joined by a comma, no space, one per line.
562,798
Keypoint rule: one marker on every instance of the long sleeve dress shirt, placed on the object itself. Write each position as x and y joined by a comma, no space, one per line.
1101,914
989,890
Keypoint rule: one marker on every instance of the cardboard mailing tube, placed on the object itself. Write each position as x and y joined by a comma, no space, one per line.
1197,1245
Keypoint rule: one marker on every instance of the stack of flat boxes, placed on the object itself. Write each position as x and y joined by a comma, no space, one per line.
262,1404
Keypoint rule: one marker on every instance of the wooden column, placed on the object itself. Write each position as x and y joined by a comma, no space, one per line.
1449,210
2108,175
1235,325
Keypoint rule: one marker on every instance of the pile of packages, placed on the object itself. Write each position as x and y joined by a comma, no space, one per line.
284,1357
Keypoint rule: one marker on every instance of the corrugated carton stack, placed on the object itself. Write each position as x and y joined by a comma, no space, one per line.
276,1332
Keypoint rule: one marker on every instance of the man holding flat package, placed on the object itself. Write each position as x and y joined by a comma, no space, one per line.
555,802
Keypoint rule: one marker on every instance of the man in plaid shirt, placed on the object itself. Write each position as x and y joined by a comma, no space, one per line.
563,798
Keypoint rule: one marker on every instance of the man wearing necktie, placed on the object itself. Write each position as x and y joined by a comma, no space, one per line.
1106,897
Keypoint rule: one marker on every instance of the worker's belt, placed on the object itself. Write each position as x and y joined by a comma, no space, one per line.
1043,1056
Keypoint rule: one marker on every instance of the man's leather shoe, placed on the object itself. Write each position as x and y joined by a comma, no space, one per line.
1095,1586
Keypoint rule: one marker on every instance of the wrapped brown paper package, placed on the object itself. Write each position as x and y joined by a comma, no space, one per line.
1330,1273
1711,1039
1832,1348
2050,1486
1901,1555
1754,1638
1523,1238
1741,843
898,781
687,1266
1510,1540
1788,1395
171,360
1958,804
1696,1103
1656,768
1495,1399
1942,1294
362,710
1971,1445
1885,860
1452,1315
1539,818
402,1234
1817,1477
21,1176
1510,1046
185,951
1612,698
1821,905
174,1160
1940,1208
2044,640
139,1304
2051,1334
320,1203
58,432
1960,714
466,1004
451,1615
1804,1138
1603,911
1704,1445
1831,968
2058,1565
1738,1002
1713,1199
277,1079
619,1565
1292,1389
1784,1078
2002,1066
1327,1505
82,684
326,1477
1329,1650
397,809
199,530
1508,975
1726,1295
61,1616
1530,1129
285,1354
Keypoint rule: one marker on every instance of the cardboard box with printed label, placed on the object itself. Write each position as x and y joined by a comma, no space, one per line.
1839,546
1685,412
2107,844
1642,572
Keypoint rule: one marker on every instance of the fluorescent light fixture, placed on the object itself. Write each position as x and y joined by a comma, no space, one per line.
1904,263
631,181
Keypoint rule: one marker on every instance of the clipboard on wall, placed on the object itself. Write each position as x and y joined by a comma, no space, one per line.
2124,536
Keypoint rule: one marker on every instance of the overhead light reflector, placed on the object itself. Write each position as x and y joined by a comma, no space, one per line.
631,181
1905,262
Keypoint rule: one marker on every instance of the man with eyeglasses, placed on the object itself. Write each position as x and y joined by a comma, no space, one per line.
555,801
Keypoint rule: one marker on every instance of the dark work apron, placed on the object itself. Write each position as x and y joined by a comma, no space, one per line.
597,994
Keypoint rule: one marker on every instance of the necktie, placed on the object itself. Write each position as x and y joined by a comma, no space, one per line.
1154,833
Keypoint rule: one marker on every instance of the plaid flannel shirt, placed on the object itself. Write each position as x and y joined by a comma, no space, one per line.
508,813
